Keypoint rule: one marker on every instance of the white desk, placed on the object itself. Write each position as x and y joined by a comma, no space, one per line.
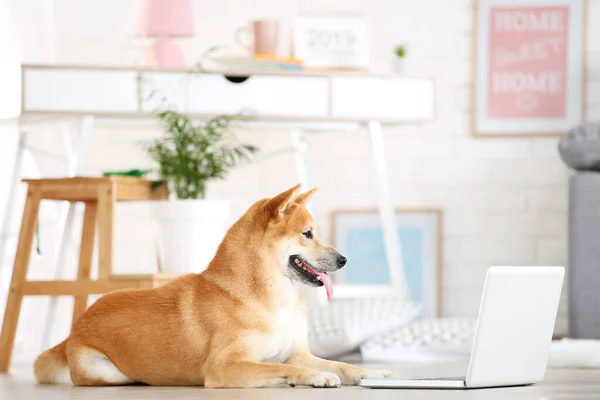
297,99
280,97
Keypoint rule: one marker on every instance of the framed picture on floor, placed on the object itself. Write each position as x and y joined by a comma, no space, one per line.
529,67
358,235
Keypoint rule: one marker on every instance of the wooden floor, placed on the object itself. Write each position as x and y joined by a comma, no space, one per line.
558,385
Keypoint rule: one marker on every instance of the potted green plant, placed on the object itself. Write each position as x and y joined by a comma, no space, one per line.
399,59
188,156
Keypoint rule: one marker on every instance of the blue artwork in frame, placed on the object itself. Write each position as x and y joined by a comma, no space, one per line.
359,236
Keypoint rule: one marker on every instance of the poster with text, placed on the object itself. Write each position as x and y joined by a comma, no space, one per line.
529,67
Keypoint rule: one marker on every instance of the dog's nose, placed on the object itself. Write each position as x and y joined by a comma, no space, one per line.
341,261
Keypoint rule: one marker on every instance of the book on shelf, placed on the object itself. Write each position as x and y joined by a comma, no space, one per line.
260,63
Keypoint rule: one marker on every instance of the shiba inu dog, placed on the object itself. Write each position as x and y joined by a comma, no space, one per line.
240,323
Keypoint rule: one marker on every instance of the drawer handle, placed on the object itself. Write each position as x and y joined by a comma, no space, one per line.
237,78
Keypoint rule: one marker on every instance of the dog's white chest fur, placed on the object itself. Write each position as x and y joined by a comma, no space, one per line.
288,328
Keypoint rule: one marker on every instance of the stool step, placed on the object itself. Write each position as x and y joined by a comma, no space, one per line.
87,287
157,277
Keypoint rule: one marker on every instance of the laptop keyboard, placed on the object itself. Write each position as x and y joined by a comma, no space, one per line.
453,378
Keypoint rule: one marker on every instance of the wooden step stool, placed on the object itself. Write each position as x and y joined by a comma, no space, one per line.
99,196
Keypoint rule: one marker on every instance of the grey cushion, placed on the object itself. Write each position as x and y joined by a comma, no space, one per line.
580,147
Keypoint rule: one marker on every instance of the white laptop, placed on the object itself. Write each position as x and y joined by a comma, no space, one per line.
513,334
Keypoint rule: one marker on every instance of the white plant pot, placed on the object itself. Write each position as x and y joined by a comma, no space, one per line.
398,65
190,232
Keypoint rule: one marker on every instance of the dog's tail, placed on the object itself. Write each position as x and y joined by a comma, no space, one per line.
51,366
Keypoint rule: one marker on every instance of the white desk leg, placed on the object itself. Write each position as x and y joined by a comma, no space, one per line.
12,194
76,161
312,297
302,166
387,212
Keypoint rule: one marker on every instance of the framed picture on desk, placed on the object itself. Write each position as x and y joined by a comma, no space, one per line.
358,235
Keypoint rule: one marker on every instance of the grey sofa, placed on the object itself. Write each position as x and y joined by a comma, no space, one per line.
580,149
584,255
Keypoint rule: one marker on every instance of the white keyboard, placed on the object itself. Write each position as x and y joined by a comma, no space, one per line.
362,314
422,340
340,326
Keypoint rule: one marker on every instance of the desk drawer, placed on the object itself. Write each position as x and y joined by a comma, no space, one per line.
262,95
382,98
93,91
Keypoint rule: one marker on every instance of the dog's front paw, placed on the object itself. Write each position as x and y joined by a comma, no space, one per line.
354,377
321,380
376,374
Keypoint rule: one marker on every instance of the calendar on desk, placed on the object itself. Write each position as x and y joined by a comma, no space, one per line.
332,42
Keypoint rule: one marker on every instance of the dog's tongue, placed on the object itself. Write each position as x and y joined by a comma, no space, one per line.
327,283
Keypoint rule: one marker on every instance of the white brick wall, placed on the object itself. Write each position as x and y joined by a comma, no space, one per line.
504,200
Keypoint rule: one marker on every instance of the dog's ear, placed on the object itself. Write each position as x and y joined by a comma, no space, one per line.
277,205
303,198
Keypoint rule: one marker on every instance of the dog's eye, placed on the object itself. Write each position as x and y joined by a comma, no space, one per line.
308,234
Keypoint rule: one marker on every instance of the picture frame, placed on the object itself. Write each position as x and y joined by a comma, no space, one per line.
358,235
529,63
332,41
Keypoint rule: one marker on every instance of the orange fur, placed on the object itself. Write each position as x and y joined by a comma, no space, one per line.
240,323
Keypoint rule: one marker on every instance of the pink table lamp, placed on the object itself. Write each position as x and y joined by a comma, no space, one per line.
166,19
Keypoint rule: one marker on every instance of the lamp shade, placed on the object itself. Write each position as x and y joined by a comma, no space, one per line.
166,18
